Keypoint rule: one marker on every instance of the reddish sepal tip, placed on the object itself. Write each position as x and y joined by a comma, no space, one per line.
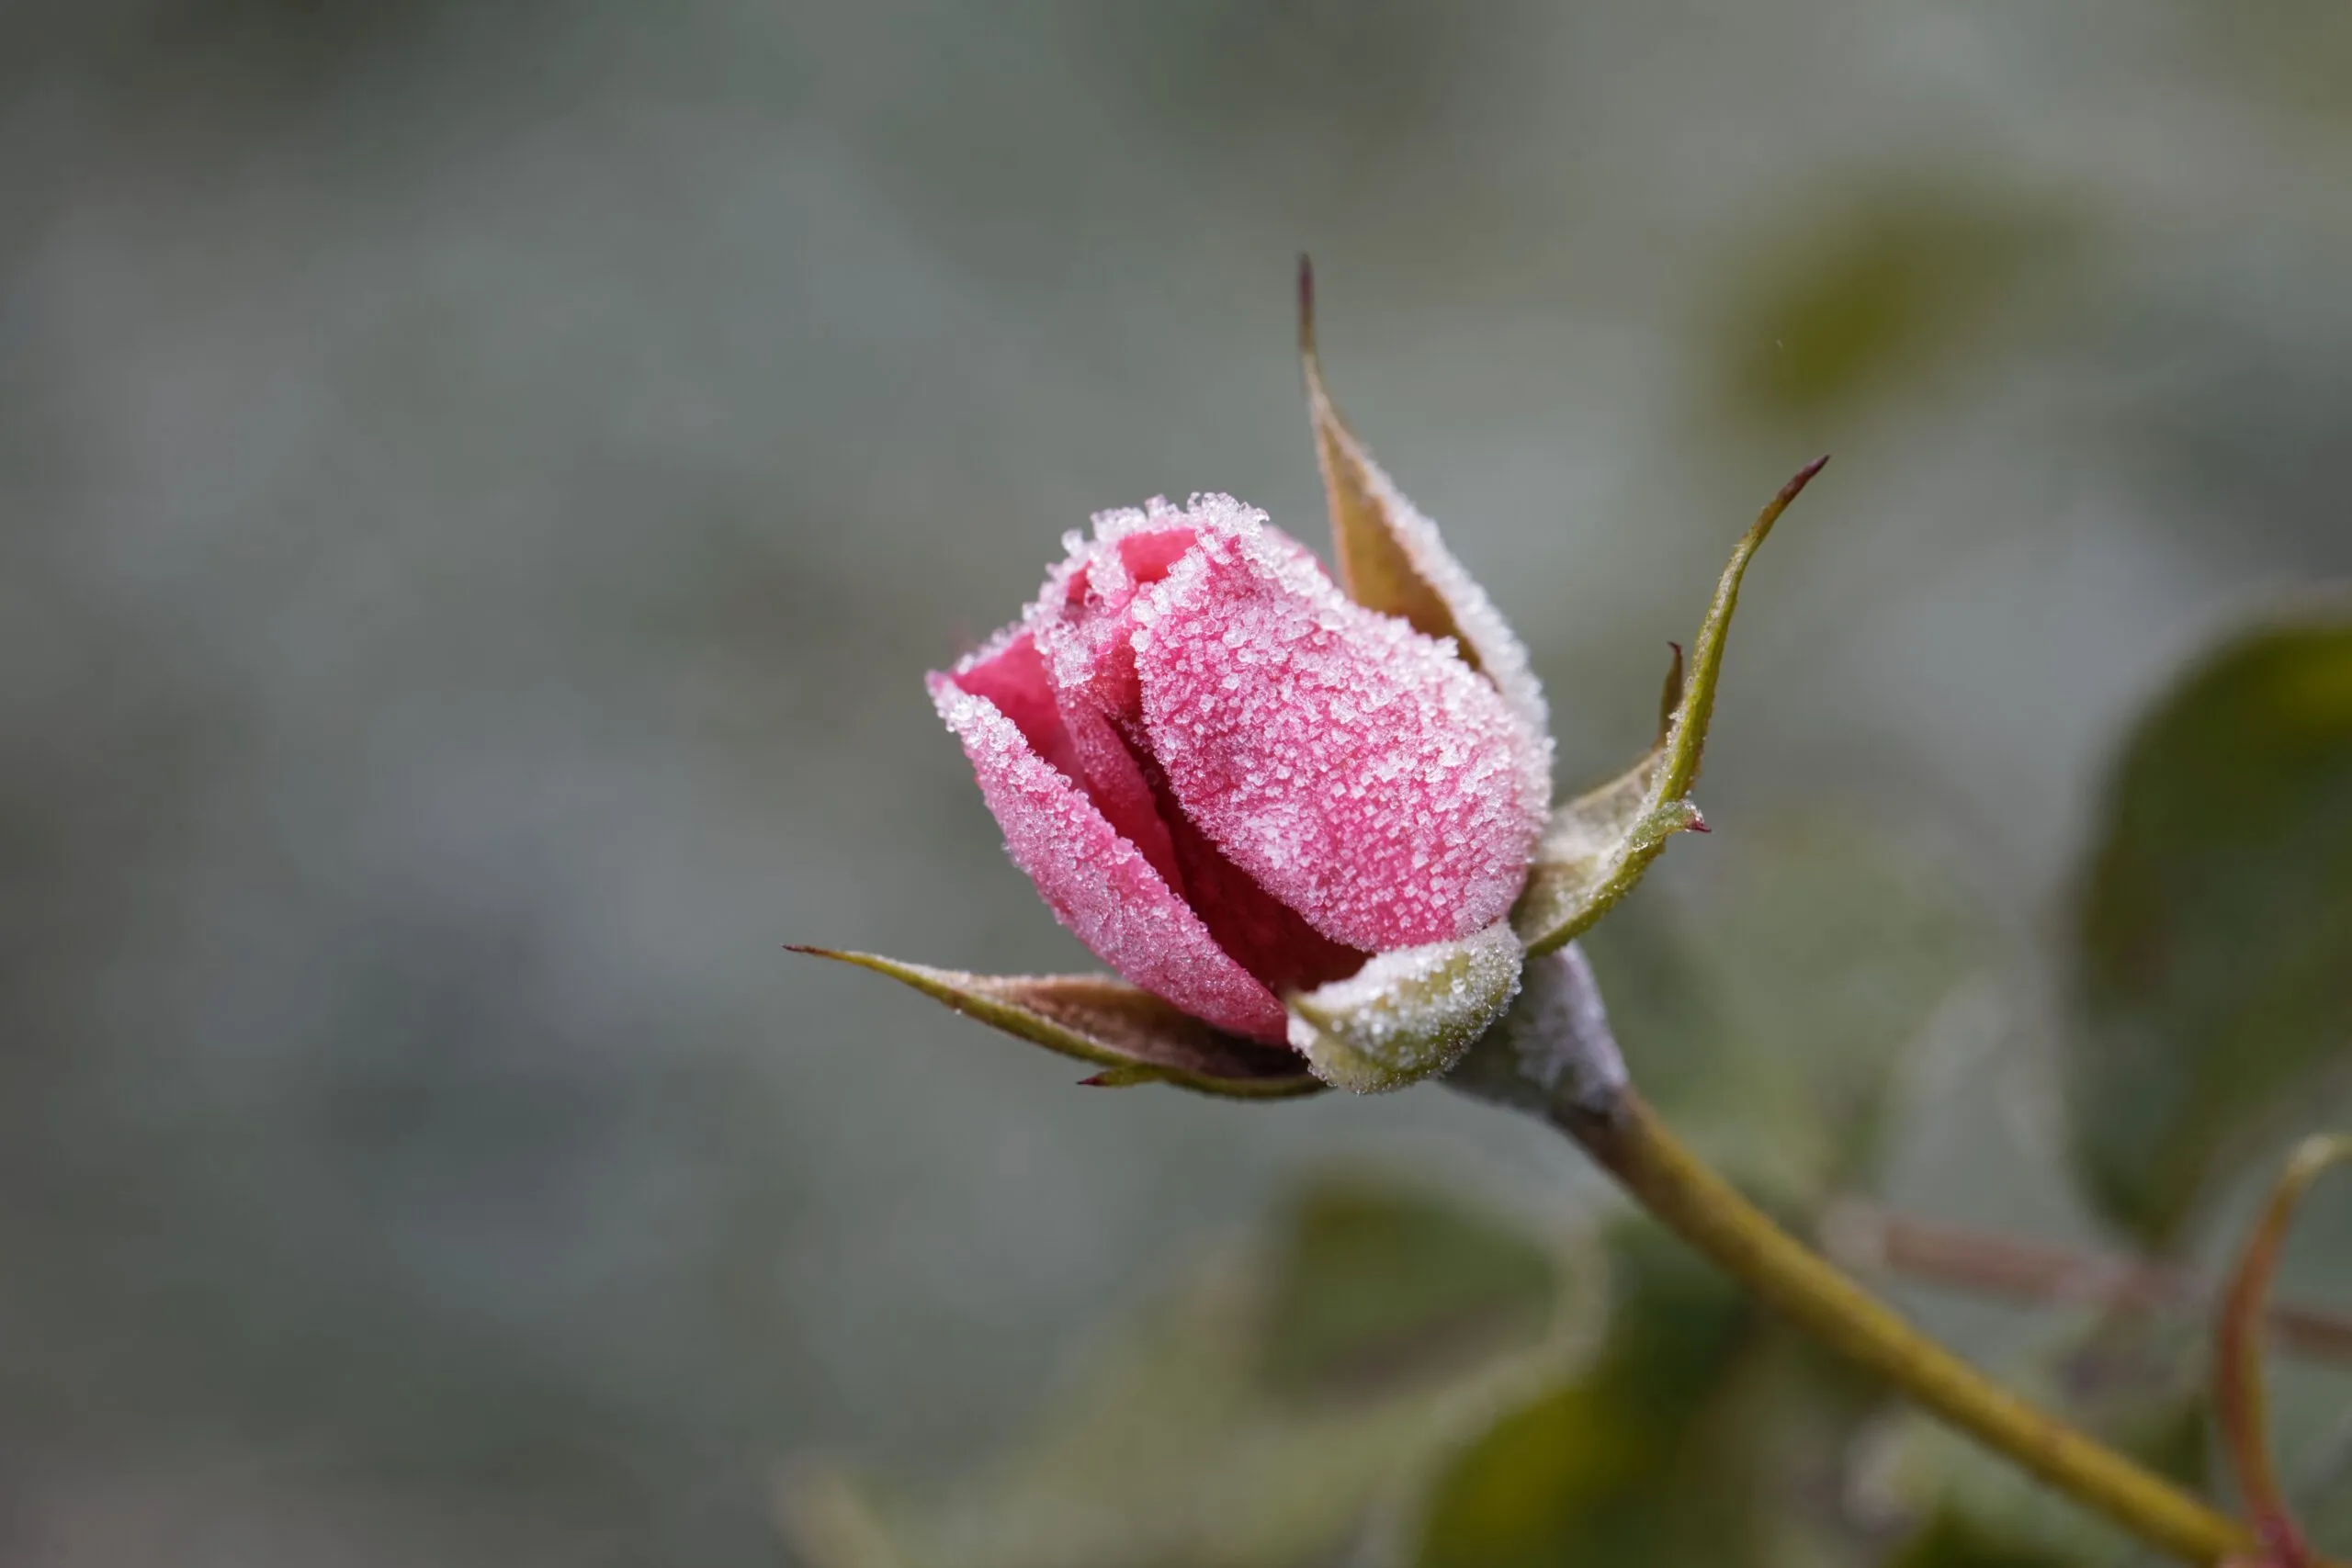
1802,477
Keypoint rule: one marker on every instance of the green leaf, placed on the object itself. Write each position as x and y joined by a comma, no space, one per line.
1133,1035
1601,843
2214,930
1268,1415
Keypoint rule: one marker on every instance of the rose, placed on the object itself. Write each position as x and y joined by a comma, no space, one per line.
1237,786
1301,819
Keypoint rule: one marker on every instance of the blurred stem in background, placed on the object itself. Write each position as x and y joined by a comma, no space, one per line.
1556,1058
2239,1395
1870,1239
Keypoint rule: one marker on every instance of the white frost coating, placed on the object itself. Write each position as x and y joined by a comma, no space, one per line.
1409,1014
1558,1038
1500,652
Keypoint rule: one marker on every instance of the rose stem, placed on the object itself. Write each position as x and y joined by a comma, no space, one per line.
1691,1199
1562,1063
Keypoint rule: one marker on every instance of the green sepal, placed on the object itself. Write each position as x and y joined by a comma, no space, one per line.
1391,559
1407,1015
1598,844
1133,1035
1377,569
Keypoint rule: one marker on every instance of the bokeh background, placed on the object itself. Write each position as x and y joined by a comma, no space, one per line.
481,484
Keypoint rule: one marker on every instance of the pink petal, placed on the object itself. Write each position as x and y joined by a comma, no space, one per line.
1097,882
1085,616
1011,673
1359,772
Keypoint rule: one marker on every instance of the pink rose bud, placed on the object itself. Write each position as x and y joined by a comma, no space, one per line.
1291,813
1293,816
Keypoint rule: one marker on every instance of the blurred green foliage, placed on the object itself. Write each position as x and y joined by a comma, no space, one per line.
1894,286
1764,1005
2134,1381
2215,926
1376,1283
1620,1462
1270,1413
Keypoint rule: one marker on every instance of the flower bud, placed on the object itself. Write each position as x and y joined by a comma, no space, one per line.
1306,823
1237,786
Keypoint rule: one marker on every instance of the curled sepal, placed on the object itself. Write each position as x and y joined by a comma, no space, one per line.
1407,1015
1599,844
2238,1392
1131,1034
1391,557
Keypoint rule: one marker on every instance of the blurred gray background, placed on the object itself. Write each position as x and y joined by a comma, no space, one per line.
481,484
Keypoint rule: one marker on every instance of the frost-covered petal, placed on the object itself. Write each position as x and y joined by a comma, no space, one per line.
1357,769
1011,673
1098,883
1085,617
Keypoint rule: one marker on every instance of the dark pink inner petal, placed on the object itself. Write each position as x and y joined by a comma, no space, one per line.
1013,678
1148,556
1271,941
1082,746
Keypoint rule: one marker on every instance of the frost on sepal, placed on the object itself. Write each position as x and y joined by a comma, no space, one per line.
1598,844
1391,557
1407,1015
1131,1034
1554,1049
